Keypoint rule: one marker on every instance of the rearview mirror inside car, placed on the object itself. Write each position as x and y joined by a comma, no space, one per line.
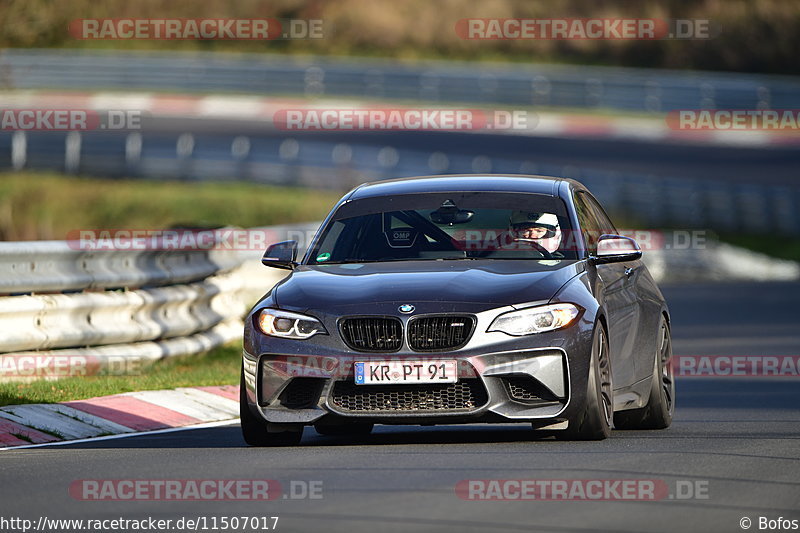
449,213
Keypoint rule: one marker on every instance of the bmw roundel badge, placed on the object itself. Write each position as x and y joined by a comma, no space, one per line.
406,308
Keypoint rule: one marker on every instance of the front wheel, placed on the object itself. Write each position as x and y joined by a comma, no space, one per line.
593,422
255,431
657,414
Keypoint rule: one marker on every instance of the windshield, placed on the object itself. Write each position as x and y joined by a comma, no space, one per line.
446,226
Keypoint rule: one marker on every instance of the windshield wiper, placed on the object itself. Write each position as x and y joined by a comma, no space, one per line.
357,261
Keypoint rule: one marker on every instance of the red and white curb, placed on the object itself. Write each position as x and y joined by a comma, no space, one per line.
258,108
133,412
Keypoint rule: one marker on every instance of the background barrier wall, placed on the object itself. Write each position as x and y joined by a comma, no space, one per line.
649,90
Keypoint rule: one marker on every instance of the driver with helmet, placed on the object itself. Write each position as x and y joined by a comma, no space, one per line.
528,226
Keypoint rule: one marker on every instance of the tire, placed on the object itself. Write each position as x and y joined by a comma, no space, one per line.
657,414
594,421
254,430
357,428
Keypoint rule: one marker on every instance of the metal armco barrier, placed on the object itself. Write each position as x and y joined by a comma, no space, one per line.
431,81
135,305
116,357
113,317
57,266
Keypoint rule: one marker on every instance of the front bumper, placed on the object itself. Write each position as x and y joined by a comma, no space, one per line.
506,379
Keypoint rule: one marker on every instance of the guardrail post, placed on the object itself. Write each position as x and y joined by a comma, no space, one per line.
764,96
429,86
314,81
594,92
488,84
72,152
240,150
373,80
133,153
289,151
652,96
19,150
541,88
707,96
183,150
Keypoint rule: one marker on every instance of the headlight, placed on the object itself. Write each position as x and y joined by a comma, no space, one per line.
288,325
535,319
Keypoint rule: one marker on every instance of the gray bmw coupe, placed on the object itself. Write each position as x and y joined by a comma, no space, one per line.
454,300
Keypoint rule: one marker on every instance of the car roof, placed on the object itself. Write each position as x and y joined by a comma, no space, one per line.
463,182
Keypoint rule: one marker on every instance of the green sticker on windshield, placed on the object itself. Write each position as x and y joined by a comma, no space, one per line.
323,257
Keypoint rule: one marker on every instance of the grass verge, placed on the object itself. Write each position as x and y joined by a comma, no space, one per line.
43,205
778,246
217,367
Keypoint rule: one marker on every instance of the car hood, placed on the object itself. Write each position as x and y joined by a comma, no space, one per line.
445,285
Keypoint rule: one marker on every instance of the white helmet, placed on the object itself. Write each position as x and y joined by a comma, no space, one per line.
549,221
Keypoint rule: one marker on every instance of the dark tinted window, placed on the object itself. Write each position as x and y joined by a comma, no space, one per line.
599,213
590,227
454,225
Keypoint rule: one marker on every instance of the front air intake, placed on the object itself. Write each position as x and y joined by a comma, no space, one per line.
437,333
372,334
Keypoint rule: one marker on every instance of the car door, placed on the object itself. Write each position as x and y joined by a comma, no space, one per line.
616,294
632,301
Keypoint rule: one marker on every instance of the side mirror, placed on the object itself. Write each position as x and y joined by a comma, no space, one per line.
616,249
281,255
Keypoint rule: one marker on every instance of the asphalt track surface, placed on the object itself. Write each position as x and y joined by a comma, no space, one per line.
736,441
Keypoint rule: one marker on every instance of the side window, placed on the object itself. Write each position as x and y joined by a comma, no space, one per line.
331,238
599,213
590,226
393,222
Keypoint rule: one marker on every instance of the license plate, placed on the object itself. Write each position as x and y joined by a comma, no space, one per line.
394,372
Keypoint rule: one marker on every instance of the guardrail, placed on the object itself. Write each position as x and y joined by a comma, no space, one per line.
135,305
653,200
431,81
57,266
